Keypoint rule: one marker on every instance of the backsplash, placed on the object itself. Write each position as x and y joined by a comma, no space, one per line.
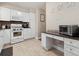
25,25
7,24
4,25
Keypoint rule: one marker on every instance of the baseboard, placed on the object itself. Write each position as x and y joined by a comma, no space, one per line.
30,38
10,44
38,38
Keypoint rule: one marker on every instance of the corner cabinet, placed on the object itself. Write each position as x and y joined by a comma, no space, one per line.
4,14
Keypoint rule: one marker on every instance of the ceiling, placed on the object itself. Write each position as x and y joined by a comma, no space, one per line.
28,4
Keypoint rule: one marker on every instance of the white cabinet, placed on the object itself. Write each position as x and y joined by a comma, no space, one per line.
71,45
16,15
46,42
67,53
49,41
27,33
29,16
32,23
4,14
7,36
1,44
26,17
1,39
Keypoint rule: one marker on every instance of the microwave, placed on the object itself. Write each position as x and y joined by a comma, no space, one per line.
71,30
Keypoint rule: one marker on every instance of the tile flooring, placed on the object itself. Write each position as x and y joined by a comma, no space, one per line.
32,47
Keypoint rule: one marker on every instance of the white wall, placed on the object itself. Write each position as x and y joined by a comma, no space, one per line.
61,13
40,26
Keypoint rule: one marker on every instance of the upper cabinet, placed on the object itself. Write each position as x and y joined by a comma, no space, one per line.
26,17
4,14
32,23
7,14
17,15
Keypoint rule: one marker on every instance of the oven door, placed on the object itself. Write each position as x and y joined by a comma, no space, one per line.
16,36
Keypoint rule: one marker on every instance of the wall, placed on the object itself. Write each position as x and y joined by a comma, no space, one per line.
58,13
40,26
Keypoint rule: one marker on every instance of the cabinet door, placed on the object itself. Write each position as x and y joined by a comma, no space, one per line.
5,14
13,13
1,44
7,36
27,33
47,42
32,24
66,53
26,19
1,39
16,15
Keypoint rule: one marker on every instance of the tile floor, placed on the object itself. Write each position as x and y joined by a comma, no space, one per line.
32,47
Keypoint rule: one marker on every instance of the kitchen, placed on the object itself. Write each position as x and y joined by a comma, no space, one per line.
39,29
14,25
18,23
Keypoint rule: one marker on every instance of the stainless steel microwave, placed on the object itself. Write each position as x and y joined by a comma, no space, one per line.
71,30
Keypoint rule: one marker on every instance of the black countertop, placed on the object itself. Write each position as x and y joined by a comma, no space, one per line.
62,35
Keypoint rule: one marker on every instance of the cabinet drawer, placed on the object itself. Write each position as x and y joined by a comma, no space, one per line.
71,49
72,42
66,53
58,38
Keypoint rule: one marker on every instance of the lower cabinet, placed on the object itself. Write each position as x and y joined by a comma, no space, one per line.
1,44
7,36
70,47
27,33
67,53
1,39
